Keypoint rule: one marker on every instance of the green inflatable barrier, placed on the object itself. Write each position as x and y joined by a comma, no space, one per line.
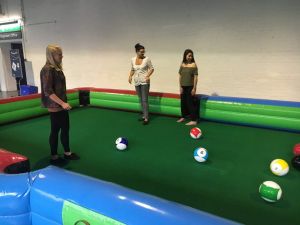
281,116
273,116
24,109
253,108
251,119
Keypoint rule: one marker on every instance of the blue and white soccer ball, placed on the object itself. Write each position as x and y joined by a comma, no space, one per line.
121,143
200,154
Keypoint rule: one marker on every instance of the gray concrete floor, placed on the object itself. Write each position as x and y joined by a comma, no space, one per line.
8,94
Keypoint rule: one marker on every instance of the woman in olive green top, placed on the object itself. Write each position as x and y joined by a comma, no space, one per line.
188,77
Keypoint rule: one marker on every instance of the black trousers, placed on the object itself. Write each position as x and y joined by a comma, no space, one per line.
59,122
188,106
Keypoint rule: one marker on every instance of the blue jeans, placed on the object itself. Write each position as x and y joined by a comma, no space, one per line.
143,93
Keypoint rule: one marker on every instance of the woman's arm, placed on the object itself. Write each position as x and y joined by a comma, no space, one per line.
180,88
57,100
194,90
179,81
150,72
195,85
130,76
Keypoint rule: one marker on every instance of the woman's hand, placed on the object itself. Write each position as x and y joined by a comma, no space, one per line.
193,92
66,106
130,79
147,78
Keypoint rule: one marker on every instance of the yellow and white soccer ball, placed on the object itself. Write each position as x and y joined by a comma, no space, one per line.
279,167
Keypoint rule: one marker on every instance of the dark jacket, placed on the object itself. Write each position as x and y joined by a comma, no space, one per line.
52,82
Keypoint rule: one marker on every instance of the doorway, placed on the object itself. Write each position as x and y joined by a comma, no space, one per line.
23,80
8,84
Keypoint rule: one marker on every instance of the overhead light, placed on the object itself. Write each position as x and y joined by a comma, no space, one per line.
10,19
10,26
7,23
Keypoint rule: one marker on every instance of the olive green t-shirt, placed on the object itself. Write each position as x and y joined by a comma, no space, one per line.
187,75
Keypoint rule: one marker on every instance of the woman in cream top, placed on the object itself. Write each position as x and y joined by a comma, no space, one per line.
141,70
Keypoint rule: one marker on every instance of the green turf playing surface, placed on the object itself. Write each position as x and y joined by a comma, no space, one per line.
159,160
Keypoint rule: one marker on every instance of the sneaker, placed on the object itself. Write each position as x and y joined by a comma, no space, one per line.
58,162
141,119
73,156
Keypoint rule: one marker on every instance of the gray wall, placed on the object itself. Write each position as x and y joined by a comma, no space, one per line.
244,48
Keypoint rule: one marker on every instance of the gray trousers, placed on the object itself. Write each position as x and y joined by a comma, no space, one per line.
143,93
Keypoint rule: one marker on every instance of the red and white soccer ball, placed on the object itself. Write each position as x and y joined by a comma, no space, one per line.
195,133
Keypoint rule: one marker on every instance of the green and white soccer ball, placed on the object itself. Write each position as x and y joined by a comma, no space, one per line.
270,191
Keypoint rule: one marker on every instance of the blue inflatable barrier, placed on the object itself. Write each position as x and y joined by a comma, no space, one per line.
14,199
58,196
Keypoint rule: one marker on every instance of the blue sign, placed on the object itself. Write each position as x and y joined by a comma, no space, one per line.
16,66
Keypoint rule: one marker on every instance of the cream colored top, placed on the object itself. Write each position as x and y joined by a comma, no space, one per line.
140,71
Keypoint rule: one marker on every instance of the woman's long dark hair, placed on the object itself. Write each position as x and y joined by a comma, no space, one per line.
138,47
186,52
